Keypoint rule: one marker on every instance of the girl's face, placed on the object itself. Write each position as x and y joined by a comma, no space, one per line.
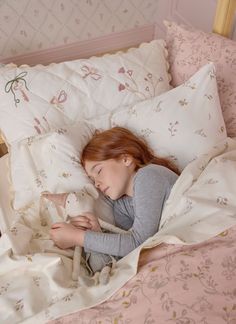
113,177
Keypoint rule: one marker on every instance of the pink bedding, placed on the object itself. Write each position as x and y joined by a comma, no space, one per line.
174,284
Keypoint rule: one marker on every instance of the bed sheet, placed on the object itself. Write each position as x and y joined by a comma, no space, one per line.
174,284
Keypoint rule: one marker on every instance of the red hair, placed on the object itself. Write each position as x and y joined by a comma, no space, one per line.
117,141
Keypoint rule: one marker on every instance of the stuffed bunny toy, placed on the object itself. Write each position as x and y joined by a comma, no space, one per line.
69,205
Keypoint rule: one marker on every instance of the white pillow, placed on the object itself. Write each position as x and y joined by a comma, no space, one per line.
36,100
49,162
182,123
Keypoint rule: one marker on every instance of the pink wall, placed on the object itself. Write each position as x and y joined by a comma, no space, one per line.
47,30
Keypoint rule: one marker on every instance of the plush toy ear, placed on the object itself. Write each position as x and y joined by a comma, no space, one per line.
57,199
91,190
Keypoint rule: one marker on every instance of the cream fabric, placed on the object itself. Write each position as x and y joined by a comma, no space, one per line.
36,285
182,123
49,162
36,100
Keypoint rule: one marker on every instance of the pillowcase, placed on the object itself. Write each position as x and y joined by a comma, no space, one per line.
49,162
189,49
182,123
36,100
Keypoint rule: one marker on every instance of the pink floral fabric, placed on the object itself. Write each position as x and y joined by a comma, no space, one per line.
174,284
189,49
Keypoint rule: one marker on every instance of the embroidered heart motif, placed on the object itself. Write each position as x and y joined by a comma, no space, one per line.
54,100
121,70
121,87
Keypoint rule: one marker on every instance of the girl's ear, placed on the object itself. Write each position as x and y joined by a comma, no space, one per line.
127,159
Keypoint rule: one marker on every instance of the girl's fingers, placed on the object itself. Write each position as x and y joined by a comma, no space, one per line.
79,218
89,216
85,224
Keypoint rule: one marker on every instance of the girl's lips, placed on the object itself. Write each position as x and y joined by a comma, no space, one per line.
105,190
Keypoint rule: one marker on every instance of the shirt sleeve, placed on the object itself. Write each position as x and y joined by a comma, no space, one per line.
151,188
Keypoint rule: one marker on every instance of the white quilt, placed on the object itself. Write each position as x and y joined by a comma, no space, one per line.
36,286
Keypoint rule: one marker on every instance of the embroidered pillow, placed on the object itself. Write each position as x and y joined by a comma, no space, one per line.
182,123
36,100
189,49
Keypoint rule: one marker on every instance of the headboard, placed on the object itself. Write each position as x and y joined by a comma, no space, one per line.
224,17
223,22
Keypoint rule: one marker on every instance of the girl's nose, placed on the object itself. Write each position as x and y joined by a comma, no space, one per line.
97,184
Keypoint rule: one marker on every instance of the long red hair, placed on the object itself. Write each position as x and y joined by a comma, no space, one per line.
117,141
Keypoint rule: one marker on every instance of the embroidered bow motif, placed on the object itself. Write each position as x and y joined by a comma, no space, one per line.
17,84
93,72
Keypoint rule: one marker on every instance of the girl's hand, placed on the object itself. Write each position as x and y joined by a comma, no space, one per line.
81,222
87,221
66,235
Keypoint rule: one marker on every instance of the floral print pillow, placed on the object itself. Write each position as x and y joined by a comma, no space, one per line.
49,162
182,123
189,49
36,100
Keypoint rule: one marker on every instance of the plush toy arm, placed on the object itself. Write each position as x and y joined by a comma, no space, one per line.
76,263
110,227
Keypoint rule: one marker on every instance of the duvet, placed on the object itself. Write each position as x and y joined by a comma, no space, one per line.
184,272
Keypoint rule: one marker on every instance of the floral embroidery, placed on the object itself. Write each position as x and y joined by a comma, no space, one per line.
183,102
158,107
200,132
68,297
208,96
40,125
146,132
190,85
132,86
4,289
36,280
61,131
229,264
222,200
172,128
19,305
38,182
14,230
211,181
65,175
29,257
75,160
18,84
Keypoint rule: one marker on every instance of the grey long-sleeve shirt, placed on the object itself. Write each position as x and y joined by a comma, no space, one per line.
141,214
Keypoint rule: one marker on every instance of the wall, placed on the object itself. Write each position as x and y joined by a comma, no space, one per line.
29,26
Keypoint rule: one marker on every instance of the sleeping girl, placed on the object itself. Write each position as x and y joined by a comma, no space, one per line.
135,182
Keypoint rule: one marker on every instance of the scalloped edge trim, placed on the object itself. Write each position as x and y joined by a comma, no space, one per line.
161,42
118,52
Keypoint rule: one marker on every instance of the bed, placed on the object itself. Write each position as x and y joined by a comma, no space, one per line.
186,273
